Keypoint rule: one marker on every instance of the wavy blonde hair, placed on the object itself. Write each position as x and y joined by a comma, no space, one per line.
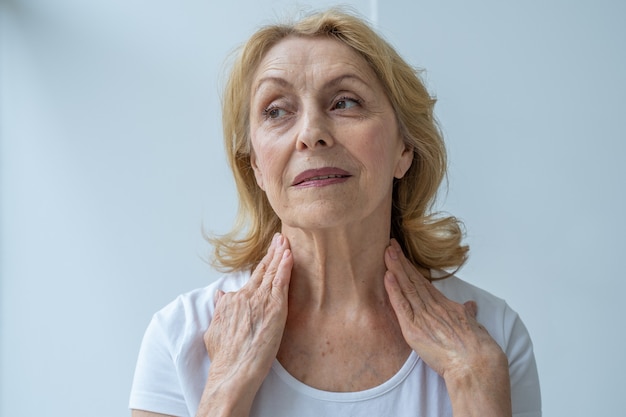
428,239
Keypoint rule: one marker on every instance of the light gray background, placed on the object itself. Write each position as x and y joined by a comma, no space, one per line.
111,164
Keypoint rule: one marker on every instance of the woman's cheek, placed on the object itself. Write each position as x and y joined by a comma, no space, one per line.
271,167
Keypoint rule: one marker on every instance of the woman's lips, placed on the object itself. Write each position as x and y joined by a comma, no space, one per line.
320,177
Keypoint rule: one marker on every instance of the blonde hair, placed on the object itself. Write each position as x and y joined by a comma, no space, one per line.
428,240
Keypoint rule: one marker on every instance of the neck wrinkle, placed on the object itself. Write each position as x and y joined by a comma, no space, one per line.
338,271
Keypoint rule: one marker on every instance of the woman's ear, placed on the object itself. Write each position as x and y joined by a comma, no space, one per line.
405,161
257,172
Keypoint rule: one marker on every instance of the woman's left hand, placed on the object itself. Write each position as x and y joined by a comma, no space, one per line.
448,338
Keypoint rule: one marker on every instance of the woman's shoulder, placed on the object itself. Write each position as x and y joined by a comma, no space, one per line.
508,330
461,291
493,312
196,307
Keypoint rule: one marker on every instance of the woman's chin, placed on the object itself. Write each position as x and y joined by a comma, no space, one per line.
334,213
312,223
318,219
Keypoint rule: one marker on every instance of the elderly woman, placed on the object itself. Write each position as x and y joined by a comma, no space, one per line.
336,300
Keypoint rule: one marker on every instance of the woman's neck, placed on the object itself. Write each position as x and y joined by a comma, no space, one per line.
338,268
341,332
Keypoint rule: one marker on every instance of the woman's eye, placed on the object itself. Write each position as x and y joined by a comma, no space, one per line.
273,112
346,103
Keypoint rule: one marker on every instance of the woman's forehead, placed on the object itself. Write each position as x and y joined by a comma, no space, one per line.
324,59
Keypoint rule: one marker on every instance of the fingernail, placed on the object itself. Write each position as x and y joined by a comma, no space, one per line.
275,238
393,253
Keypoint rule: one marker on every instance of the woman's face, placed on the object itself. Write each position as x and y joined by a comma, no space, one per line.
326,144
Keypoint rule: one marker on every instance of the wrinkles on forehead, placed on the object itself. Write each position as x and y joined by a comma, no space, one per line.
342,80
286,65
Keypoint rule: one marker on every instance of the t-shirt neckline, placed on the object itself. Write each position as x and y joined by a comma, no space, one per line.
367,394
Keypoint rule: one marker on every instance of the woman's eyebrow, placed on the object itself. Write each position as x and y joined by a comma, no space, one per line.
271,80
344,77
334,82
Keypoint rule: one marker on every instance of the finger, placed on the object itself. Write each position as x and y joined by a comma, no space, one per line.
280,283
261,268
401,305
280,246
406,265
471,307
425,289
395,265
218,297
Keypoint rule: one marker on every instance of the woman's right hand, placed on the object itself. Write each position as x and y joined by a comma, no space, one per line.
245,333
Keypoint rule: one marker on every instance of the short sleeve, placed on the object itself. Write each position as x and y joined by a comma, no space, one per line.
156,386
508,330
525,391
173,364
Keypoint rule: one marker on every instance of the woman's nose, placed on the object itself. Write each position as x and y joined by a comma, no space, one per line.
314,130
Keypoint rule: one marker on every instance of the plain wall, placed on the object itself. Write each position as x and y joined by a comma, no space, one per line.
112,164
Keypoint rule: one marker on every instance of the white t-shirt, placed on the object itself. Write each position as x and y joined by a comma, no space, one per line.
173,365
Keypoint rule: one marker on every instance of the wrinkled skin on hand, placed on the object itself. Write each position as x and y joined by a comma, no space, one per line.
247,327
444,333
